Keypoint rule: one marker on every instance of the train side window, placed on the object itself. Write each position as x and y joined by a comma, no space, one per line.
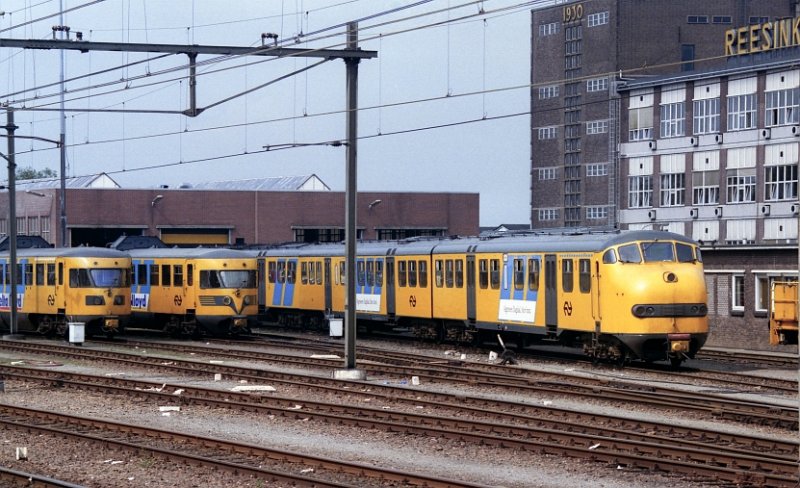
318,268
379,272
412,273
389,273
291,272
3,271
60,274
141,274
401,273
23,278
189,275
40,275
684,252
567,275
165,276
154,275
342,273
51,274
448,273
519,274
272,271
459,273
177,274
281,271
495,273
609,257
304,272
423,274
629,253
533,274
370,273
360,273
439,273
585,277
483,274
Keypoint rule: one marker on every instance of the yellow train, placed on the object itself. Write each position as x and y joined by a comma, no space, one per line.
193,291
56,286
620,295
783,313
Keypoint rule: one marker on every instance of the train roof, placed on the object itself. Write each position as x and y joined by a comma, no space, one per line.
72,252
523,242
189,253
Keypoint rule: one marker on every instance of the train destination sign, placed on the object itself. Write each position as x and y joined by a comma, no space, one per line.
758,38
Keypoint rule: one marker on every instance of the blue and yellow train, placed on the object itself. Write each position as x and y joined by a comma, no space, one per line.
620,295
193,291
57,286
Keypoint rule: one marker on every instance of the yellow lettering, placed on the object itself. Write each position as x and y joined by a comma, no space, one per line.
754,38
786,26
796,32
766,36
741,40
730,38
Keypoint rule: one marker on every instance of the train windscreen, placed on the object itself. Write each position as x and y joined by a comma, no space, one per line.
227,279
98,278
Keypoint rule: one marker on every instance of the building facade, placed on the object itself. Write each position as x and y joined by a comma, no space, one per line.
719,163
233,213
580,52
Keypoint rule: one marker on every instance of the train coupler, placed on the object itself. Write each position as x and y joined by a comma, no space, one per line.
679,343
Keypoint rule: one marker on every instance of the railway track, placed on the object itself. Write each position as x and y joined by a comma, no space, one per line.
740,459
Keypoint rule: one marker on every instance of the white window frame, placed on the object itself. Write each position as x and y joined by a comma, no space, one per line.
742,112
673,189
548,29
597,127
780,182
599,18
548,214
547,173
782,107
546,92
640,191
548,133
737,293
597,84
706,116
673,119
705,187
596,169
597,212
741,185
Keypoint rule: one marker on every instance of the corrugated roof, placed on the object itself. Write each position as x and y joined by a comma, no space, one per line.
101,180
275,183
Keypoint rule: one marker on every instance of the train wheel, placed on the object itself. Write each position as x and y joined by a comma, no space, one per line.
621,359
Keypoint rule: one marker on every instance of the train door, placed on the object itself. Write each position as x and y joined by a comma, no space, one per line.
262,286
327,284
390,297
471,288
551,292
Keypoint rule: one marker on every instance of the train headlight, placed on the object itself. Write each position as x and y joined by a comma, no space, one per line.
670,277
226,301
247,300
119,300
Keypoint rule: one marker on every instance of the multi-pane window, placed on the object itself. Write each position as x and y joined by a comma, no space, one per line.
548,29
737,293
597,84
550,91
722,19
706,116
741,184
757,20
640,124
780,182
597,127
597,213
640,191
673,189
705,187
673,119
548,132
547,173
548,214
697,19
782,107
597,169
742,112
596,19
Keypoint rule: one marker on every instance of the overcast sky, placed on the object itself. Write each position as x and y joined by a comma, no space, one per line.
429,73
